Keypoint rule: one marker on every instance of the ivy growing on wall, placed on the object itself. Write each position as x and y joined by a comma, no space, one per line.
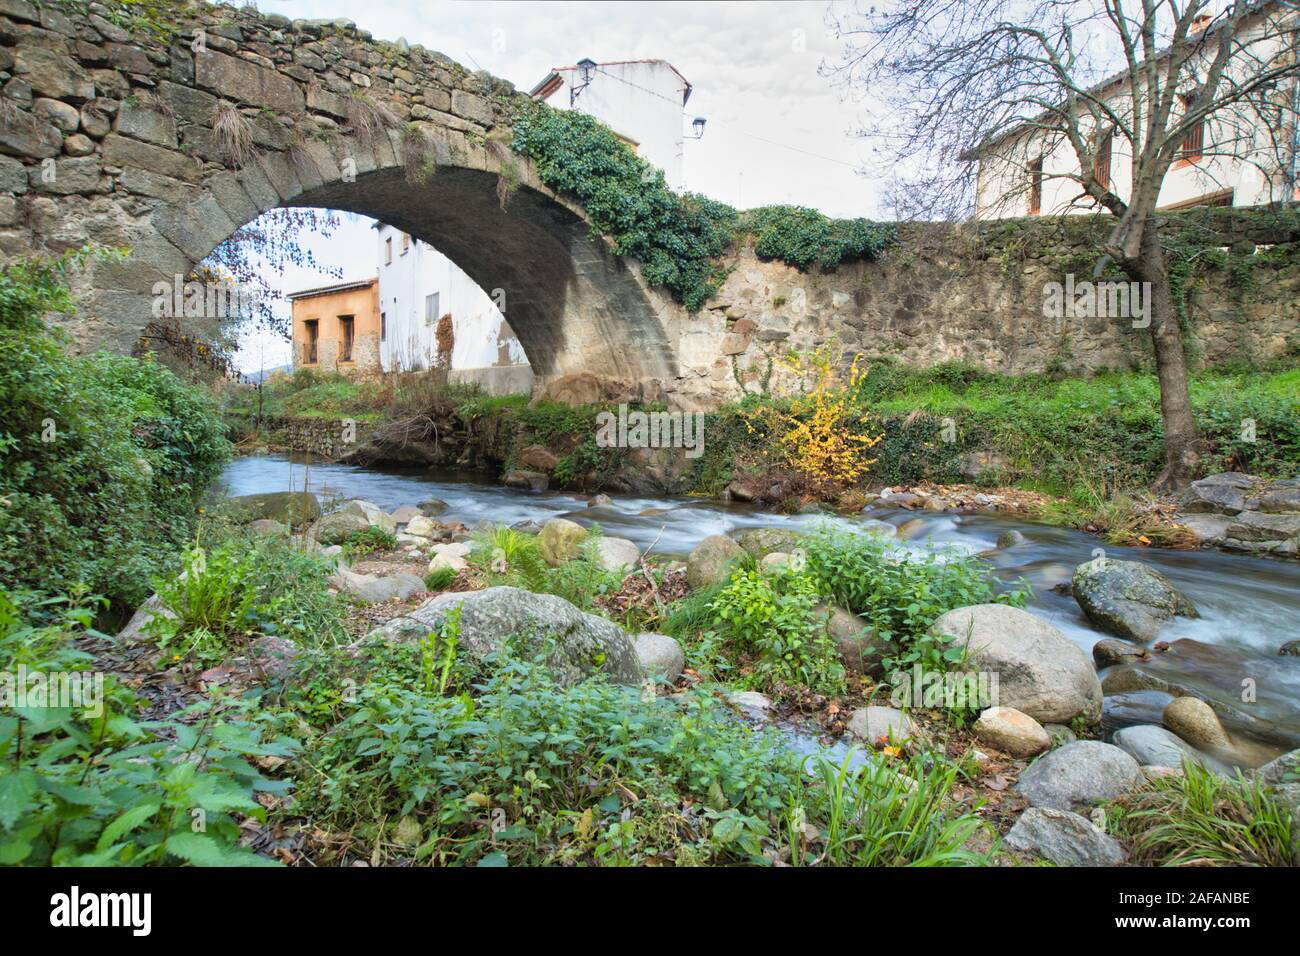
677,239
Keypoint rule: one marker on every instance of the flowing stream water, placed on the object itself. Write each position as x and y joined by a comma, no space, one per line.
1249,606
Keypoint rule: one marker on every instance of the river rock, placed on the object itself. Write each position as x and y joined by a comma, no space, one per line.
598,501
1065,838
1012,732
375,516
617,554
338,527
526,480
423,527
1289,649
1110,651
860,651
1156,747
1077,775
538,458
710,562
454,555
560,539
910,528
661,656
527,526
1040,672
878,726
773,561
432,507
1224,493
375,589
1060,734
1128,599
584,643
405,513
876,526
761,541
1009,539
296,508
1275,772
751,701
1195,721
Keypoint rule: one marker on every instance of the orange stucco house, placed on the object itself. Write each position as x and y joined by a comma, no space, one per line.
338,328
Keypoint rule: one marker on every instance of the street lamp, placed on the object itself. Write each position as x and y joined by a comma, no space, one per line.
697,126
586,67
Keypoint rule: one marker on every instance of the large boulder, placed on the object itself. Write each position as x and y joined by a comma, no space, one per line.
1224,493
617,554
338,527
375,516
1065,838
1010,731
1039,671
710,562
661,656
584,644
1128,599
560,539
761,541
295,508
1077,775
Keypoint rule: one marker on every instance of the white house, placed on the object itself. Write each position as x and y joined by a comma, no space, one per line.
418,285
642,101
1234,159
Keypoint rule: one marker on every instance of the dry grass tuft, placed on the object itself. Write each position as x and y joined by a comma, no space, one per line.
234,134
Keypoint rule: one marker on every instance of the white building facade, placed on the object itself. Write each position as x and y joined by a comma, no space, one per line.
1236,158
642,101
418,285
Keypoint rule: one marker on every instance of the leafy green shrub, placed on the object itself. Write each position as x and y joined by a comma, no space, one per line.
369,540
677,239
103,459
769,618
506,556
237,587
81,788
901,593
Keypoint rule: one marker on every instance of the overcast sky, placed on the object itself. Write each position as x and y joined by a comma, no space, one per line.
778,132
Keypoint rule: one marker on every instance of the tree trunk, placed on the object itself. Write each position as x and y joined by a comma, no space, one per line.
1182,441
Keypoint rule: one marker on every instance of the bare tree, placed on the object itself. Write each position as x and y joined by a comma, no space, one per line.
1155,83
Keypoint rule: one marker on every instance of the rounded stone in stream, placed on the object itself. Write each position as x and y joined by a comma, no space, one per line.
1078,774
1110,651
1009,539
1154,746
761,541
432,507
584,644
1128,599
560,538
1195,721
1289,649
1012,732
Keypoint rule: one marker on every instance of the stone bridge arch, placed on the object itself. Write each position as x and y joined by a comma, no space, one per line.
115,145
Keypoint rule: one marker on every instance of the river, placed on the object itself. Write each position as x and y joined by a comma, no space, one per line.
1249,606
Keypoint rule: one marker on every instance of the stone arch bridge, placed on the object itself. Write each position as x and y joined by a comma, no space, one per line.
107,136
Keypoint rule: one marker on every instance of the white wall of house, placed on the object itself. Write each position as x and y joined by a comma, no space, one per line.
1240,164
640,100
417,286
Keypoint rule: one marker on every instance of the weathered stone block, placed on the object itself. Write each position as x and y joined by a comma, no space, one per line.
28,136
52,74
471,107
146,125
71,176
247,82
121,151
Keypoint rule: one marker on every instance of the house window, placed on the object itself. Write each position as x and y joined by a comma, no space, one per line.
347,327
311,336
431,308
388,251
1036,186
1194,144
1101,162
406,243
383,326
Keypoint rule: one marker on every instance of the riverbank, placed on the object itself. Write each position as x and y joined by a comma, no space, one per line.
981,790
